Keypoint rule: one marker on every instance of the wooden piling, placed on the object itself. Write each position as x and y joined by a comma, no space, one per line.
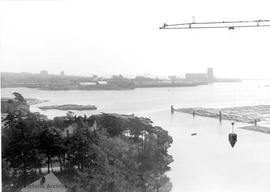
172,109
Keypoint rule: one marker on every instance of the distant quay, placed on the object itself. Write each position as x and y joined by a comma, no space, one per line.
183,84
105,87
69,107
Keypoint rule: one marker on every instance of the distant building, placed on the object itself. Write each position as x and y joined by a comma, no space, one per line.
197,77
43,72
88,83
165,81
144,80
172,78
71,128
102,82
175,79
210,75
201,77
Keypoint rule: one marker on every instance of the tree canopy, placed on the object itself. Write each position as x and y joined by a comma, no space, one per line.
105,152
19,97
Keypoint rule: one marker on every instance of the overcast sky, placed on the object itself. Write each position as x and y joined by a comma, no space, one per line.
105,37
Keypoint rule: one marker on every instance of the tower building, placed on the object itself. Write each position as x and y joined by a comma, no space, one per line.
210,75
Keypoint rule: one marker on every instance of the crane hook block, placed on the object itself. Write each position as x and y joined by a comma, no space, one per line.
232,139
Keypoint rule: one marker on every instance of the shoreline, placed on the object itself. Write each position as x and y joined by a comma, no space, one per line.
109,88
69,107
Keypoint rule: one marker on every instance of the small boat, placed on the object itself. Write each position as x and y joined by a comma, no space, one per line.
193,134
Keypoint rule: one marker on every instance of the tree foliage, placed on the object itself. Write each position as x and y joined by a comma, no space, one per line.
105,152
133,162
19,98
20,143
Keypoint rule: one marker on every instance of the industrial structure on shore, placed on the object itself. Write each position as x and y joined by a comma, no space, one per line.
206,78
201,77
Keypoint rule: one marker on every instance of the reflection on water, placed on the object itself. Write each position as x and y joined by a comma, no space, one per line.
204,162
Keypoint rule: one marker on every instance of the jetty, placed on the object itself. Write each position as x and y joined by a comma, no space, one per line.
245,114
261,129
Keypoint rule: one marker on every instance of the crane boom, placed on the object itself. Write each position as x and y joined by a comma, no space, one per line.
218,24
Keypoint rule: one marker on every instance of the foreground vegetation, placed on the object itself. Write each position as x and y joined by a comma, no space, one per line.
105,152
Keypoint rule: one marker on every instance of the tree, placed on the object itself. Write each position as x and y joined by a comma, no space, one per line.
19,98
80,152
111,124
127,163
51,144
20,141
5,171
101,159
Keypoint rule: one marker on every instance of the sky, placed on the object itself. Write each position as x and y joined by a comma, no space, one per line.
106,37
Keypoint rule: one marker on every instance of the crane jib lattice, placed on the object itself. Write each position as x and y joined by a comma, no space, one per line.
218,24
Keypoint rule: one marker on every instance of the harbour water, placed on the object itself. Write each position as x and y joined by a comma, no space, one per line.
204,162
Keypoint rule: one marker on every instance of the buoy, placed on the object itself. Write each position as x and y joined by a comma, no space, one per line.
232,136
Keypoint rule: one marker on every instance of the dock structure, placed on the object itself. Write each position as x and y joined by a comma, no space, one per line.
245,114
255,122
257,128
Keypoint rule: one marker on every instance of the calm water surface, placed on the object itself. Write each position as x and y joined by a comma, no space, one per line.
205,162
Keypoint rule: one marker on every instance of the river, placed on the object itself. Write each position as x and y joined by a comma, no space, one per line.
205,162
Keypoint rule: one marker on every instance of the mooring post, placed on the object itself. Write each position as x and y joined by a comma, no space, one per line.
255,122
172,109
220,117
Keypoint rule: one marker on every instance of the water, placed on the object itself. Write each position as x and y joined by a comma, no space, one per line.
205,162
